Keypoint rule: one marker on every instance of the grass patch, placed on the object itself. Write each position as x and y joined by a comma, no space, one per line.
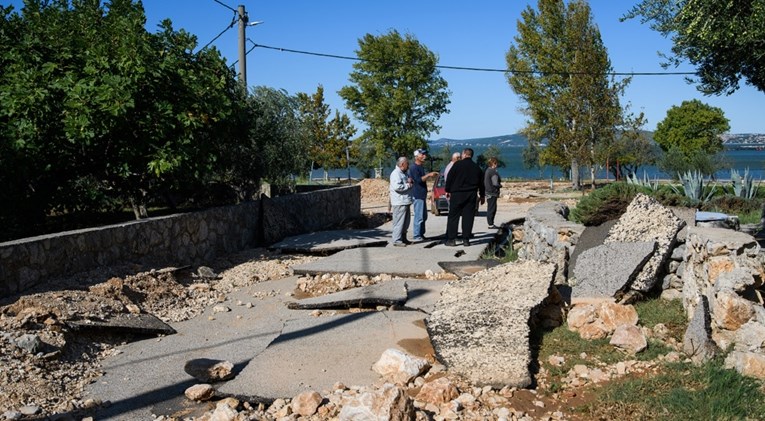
682,391
568,344
670,312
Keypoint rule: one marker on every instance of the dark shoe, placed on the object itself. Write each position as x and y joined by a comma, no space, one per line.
466,243
407,242
451,243
399,244
492,226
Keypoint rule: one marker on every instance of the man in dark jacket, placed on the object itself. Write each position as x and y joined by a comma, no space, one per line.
465,181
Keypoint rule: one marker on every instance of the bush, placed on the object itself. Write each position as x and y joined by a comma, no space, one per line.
606,203
668,197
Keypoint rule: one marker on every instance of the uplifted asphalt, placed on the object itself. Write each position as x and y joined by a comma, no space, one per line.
279,352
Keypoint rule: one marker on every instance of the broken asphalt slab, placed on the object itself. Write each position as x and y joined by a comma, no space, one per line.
404,262
412,294
142,324
332,241
387,294
149,374
313,353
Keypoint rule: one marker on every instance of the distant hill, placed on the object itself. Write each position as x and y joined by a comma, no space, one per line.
509,140
518,140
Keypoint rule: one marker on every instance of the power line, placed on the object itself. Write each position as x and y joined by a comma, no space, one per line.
473,69
226,6
230,25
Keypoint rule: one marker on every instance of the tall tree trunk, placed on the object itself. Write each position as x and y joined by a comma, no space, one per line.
592,176
575,182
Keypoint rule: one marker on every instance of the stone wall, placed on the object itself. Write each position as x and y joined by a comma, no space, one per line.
549,237
174,240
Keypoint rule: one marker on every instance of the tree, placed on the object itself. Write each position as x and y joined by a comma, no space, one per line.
493,151
531,156
328,139
341,132
721,38
692,126
314,114
559,67
96,111
690,136
398,91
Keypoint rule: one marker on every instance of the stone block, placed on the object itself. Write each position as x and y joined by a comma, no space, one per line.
606,270
647,220
697,340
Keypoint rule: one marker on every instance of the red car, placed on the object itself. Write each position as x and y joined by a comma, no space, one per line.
438,202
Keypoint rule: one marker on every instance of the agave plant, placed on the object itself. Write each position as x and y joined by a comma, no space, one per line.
693,186
645,182
743,186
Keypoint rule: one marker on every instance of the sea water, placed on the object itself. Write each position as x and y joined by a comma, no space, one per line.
738,159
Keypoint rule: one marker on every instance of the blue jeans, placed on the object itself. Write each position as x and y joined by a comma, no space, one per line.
420,216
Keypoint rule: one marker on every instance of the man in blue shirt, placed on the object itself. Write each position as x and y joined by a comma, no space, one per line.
420,192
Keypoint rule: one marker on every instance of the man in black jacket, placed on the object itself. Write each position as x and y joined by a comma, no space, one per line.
464,182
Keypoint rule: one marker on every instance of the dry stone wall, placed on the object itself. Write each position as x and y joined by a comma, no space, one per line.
175,240
549,237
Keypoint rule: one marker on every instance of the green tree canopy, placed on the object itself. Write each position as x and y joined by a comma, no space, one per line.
397,91
94,107
692,126
327,138
559,67
723,39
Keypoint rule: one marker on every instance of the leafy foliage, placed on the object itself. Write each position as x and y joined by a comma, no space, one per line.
397,90
97,114
606,203
328,139
492,151
693,126
559,68
722,38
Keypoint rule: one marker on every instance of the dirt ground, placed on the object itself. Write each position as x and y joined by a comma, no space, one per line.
50,377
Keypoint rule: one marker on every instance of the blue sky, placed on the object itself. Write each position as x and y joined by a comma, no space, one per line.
470,34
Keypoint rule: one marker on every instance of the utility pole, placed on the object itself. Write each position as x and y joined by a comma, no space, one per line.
242,44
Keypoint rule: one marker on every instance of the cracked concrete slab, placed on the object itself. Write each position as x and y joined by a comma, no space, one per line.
389,293
395,261
333,241
468,268
608,269
411,294
142,324
345,345
147,377
480,327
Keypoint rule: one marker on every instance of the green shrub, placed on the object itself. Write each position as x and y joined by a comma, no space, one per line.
606,203
668,197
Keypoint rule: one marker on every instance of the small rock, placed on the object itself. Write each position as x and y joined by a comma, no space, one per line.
208,370
221,309
12,415
200,392
29,409
30,343
306,403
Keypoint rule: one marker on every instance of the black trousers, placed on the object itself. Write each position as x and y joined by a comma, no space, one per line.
461,204
491,209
